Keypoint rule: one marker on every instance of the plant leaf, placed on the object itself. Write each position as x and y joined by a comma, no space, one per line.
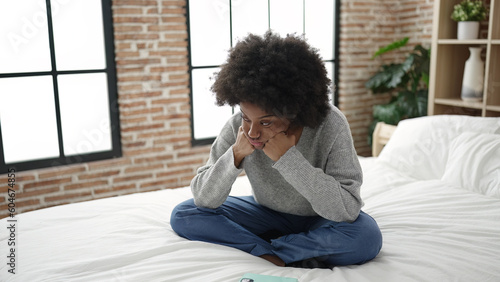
400,76
379,82
425,78
391,77
422,60
422,99
371,128
412,104
388,113
394,45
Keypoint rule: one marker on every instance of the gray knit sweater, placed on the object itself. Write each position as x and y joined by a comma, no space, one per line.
321,175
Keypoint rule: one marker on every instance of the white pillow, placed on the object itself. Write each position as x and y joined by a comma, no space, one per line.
474,163
419,146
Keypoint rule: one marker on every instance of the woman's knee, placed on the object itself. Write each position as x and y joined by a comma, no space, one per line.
369,243
178,216
362,243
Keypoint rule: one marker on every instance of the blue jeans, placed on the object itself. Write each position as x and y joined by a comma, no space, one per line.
244,224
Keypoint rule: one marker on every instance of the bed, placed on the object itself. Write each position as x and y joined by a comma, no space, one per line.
434,191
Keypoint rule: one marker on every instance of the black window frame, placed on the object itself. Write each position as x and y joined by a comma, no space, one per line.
334,61
109,70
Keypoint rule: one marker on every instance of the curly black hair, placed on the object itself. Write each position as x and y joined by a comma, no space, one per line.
283,76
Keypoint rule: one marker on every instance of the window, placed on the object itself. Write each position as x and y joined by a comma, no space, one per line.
216,25
58,101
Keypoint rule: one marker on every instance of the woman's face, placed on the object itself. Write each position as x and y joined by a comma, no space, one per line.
260,126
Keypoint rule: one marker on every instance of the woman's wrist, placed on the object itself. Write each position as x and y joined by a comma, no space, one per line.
238,158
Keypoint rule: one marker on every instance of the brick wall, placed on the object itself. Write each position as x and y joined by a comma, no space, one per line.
367,25
151,58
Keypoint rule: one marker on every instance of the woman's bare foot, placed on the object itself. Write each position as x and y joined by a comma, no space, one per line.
274,259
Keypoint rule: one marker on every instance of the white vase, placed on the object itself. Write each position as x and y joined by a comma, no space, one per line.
473,81
468,30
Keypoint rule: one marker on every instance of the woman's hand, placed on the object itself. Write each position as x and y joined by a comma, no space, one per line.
279,145
241,147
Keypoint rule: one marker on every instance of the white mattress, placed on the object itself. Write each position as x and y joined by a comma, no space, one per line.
433,229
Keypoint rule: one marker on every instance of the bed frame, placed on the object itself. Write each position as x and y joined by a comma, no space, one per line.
381,136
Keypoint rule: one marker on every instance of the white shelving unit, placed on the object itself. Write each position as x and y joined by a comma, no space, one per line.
448,56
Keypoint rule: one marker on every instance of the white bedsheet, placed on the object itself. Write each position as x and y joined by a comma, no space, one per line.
433,230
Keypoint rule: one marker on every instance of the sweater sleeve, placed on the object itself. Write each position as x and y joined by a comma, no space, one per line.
214,180
333,192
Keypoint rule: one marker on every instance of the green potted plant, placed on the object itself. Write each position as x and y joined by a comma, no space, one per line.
468,14
407,82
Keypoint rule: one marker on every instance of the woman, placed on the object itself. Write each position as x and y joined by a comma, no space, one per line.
298,154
